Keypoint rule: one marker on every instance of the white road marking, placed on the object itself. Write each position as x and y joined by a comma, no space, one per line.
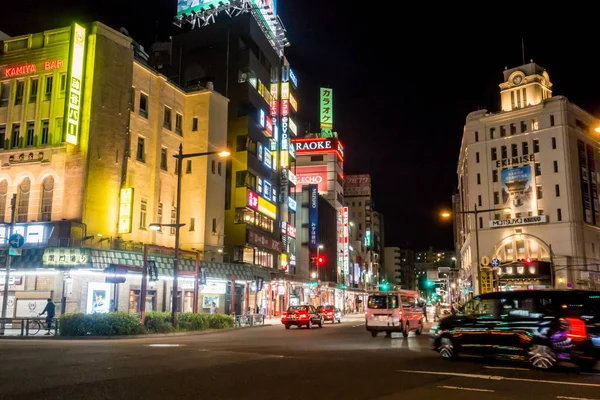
500,378
356,326
509,368
572,398
465,388
164,345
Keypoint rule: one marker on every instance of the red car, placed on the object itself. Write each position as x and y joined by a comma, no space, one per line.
330,313
302,316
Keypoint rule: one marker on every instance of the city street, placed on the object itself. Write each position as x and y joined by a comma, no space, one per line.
337,361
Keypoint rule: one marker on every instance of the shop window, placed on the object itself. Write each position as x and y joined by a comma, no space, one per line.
47,194
23,200
134,301
244,216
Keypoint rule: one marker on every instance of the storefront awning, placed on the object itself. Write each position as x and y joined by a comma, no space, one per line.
29,259
241,272
264,273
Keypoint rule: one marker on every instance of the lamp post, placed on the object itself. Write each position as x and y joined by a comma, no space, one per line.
319,247
475,212
180,157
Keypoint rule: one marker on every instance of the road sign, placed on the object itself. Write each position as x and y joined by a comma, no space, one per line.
486,281
16,240
495,262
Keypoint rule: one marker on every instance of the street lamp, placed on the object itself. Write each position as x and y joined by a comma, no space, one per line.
475,212
180,157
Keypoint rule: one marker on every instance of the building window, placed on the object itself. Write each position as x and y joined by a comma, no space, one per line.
512,99
195,124
479,203
536,146
494,154
525,148
160,215
513,128
492,131
58,124
553,143
143,213
525,97
30,133
477,157
45,131
480,223
534,125
316,158
33,90
478,178
178,123
4,94
173,220
539,193
540,212
48,90
557,190
143,105
167,118
241,143
3,196
495,175
503,152
16,132
188,167
132,99
558,214
214,225
514,150
63,82
19,92
47,193
551,119
523,126
502,131
219,168
496,198
476,136
23,200
192,224
213,166
141,151
3,137
538,169
556,166
163,159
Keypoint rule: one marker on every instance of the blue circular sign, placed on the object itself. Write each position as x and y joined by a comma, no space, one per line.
495,262
16,240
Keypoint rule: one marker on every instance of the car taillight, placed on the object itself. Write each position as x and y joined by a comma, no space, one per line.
577,328
303,316
329,313
284,315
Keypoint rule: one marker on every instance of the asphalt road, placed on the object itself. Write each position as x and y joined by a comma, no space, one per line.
340,361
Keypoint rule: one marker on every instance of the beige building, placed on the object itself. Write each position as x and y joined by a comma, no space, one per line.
534,164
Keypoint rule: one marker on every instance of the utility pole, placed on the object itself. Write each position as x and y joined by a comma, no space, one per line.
13,207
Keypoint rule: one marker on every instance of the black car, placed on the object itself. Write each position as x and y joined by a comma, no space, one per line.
541,327
302,316
331,313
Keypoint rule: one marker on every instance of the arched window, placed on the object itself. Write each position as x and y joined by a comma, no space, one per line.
47,192
3,195
23,200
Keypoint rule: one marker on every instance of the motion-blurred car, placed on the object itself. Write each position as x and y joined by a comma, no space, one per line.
302,316
331,313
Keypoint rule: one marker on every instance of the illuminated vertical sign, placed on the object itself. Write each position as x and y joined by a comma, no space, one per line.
326,108
285,159
346,248
252,200
293,78
269,126
125,210
74,99
313,216
293,103
274,98
292,127
285,91
261,118
285,108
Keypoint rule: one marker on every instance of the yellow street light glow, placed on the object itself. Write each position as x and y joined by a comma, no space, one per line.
507,210
597,129
446,214
224,153
154,227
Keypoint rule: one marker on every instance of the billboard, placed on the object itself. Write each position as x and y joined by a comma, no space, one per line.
318,146
187,6
76,75
357,185
313,217
517,190
312,175
326,120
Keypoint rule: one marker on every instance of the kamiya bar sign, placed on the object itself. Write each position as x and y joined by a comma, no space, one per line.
31,68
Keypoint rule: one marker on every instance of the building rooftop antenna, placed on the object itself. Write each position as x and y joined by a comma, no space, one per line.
523,50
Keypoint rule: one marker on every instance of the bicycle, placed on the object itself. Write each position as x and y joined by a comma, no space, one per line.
34,326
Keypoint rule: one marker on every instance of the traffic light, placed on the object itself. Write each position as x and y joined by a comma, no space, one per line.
384,286
429,283
320,260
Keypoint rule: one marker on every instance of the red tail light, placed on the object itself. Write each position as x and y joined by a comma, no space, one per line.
303,316
329,313
284,315
578,330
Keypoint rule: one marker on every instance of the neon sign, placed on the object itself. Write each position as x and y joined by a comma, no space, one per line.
319,145
252,200
73,105
31,68
326,108
293,78
293,103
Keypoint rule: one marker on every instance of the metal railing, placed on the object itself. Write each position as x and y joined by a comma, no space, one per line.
29,326
248,320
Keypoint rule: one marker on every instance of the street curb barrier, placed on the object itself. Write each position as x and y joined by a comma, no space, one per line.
142,336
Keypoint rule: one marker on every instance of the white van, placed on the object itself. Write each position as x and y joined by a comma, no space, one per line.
394,311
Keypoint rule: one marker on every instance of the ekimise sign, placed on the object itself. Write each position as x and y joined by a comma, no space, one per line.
31,68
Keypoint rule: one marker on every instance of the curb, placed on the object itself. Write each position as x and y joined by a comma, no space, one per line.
143,336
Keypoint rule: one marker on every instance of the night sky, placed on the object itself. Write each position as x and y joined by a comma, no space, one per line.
404,81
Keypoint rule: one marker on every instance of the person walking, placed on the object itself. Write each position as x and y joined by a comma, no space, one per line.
438,311
50,311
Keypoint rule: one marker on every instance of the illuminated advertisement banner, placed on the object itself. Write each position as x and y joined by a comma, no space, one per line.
74,98
261,240
292,204
285,159
518,192
346,249
293,103
285,91
25,69
326,108
357,185
187,6
258,203
312,175
268,158
291,231
313,217
274,98
125,210
318,146
292,150
285,108
268,127
293,78
261,119
292,126
292,177
252,200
